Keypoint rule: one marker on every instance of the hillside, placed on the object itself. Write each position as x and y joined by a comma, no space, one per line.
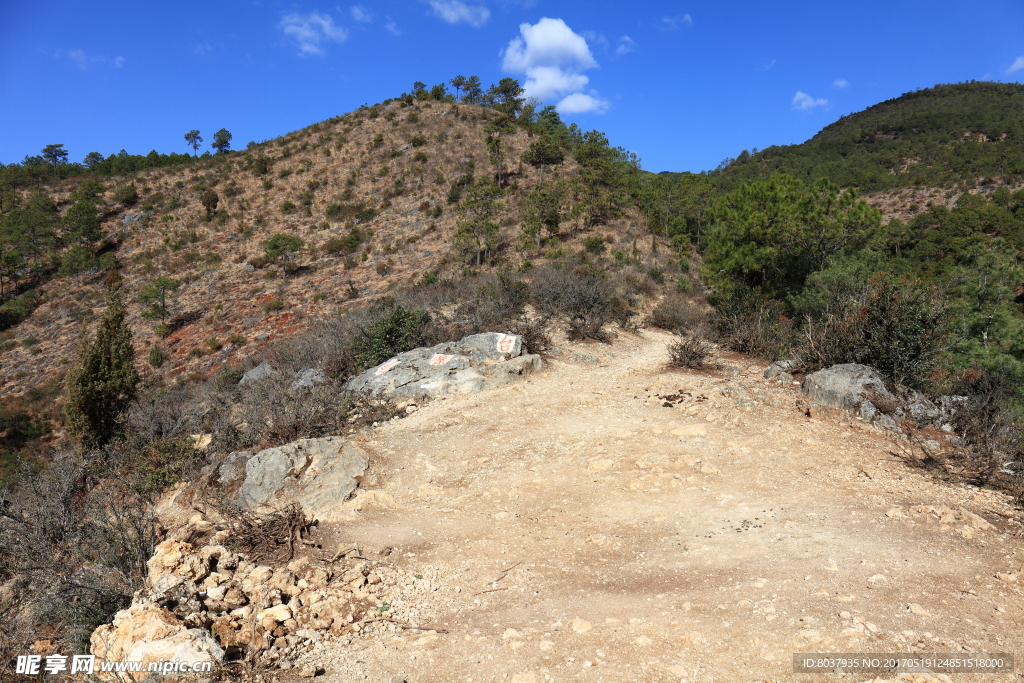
964,134
374,198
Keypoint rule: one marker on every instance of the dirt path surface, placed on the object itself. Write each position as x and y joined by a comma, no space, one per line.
575,528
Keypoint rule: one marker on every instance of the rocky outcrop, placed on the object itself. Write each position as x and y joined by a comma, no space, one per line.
318,474
474,363
860,389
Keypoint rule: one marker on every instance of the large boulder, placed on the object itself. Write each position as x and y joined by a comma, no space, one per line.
845,386
318,474
860,389
261,371
474,363
148,633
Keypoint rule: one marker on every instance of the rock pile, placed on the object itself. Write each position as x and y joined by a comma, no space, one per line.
858,388
210,604
475,363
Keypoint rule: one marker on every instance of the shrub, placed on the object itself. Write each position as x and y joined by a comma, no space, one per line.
287,206
746,322
126,195
690,351
657,275
893,326
281,245
594,245
392,329
275,305
676,315
418,141
237,339
229,377
586,301
364,215
157,356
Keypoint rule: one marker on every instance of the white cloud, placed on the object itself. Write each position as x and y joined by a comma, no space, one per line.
86,61
768,66
202,49
311,30
392,26
1017,65
580,103
840,83
360,14
455,11
626,45
553,57
672,23
804,102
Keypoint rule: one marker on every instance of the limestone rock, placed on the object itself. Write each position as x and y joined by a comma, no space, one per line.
308,378
152,634
319,474
845,386
474,363
780,367
259,372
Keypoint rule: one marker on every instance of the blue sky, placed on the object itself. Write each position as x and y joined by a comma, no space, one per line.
681,84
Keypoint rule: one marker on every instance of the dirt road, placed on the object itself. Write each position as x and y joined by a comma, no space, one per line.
577,527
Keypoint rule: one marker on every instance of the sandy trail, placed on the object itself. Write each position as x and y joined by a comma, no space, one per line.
574,528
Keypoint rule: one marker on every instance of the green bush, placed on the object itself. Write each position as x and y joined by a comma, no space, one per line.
281,245
126,195
287,206
392,330
594,245
275,305
894,326
157,356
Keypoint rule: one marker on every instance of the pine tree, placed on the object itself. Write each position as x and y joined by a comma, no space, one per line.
103,384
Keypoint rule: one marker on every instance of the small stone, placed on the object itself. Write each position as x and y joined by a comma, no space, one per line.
580,626
309,671
397,679
642,641
918,610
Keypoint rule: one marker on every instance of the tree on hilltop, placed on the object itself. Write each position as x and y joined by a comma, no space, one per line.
457,83
193,140
55,155
473,90
222,141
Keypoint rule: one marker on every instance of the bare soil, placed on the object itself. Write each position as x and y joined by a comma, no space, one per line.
576,527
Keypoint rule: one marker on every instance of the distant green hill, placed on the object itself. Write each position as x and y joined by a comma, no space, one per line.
966,133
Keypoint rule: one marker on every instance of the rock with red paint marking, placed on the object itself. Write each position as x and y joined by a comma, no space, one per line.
474,363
